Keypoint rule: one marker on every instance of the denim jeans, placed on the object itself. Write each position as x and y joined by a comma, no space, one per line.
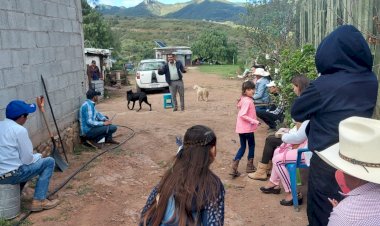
97,133
269,118
244,138
261,109
43,168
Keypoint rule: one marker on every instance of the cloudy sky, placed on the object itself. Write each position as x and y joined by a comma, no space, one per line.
130,3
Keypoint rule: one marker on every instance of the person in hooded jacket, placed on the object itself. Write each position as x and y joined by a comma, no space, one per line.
346,87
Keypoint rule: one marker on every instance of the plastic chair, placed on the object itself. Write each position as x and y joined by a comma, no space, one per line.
168,102
292,169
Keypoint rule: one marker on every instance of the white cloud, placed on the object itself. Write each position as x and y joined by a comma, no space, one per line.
131,3
125,3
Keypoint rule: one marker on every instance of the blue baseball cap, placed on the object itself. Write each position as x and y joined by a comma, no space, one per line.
16,108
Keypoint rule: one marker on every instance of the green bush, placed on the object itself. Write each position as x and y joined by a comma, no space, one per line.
295,62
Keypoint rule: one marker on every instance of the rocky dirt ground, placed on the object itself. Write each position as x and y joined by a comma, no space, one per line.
113,189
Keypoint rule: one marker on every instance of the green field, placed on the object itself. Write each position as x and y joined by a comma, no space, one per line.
223,70
137,35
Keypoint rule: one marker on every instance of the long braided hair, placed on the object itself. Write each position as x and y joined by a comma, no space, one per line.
189,180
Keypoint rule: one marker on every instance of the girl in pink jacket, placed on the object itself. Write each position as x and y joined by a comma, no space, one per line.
246,125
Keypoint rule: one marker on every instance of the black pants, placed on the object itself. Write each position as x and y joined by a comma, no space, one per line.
271,143
322,185
269,118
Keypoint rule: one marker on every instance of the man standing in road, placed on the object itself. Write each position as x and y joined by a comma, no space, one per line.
173,74
18,164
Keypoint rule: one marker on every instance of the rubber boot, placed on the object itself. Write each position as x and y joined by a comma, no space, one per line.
261,172
269,168
234,169
250,167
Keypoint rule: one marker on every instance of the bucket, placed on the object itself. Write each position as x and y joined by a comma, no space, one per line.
9,200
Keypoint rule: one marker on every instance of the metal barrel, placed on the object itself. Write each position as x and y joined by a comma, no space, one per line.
9,201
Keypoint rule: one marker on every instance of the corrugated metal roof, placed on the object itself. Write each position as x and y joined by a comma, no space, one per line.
106,52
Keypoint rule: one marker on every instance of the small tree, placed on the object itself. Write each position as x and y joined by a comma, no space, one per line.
97,32
269,26
213,45
295,62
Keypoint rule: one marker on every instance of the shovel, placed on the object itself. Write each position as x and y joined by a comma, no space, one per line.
60,163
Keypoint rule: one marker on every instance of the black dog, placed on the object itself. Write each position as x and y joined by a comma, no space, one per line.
140,96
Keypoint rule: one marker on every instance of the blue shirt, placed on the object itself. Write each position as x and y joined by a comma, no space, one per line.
89,117
261,94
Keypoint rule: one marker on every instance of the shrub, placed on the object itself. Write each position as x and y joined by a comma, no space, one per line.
295,62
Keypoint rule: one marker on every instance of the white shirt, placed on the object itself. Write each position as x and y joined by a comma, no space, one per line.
16,148
173,71
296,136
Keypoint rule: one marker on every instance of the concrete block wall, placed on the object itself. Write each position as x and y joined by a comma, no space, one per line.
42,37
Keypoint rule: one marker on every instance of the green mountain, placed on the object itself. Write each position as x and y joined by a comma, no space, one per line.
210,10
216,10
137,34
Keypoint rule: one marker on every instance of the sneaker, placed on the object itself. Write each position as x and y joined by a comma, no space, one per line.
270,190
112,142
175,109
46,204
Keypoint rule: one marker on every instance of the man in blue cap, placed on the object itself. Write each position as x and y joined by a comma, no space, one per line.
18,164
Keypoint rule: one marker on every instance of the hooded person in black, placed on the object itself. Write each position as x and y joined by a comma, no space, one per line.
346,87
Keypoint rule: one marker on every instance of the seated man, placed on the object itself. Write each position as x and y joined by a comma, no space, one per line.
18,164
261,96
94,125
271,117
356,157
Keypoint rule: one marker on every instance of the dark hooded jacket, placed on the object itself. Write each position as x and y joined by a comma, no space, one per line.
346,87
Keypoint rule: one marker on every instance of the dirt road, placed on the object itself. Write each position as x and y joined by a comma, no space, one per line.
113,189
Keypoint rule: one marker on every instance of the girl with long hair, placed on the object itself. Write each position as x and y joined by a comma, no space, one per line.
189,192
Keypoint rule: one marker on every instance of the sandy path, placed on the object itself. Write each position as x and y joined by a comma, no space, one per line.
113,189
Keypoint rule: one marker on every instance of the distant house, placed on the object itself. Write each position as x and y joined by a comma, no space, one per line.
102,58
183,53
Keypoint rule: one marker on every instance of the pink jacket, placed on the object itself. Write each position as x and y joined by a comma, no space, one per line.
246,120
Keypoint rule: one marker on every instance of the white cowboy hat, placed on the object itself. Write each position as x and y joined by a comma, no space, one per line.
271,84
261,72
358,150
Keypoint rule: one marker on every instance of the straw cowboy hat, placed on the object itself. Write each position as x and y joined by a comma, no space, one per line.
261,72
358,150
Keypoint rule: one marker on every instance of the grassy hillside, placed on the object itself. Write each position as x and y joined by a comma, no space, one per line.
137,35
216,10
210,10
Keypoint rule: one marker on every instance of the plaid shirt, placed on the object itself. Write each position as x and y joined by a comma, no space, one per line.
361,207
280,107
89,117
